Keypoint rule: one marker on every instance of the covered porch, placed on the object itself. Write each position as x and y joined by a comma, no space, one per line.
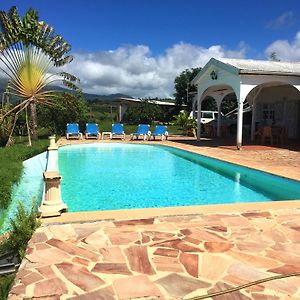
272,89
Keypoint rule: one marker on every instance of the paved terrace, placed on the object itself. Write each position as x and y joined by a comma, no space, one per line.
172,257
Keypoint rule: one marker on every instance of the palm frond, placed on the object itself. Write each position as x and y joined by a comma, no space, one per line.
69,77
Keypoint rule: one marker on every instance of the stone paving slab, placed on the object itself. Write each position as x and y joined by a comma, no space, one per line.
171,257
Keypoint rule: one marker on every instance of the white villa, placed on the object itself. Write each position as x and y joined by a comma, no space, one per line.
271,88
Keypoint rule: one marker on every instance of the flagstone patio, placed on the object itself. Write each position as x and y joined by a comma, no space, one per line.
170,257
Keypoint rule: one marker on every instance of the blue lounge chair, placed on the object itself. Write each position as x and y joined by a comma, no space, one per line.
117,130
160,130
142,130
73,131
92,131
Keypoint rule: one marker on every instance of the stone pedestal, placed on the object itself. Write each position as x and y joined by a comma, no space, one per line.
52,203
52,143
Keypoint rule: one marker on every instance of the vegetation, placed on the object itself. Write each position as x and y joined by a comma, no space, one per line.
144,113
184,89
11,166
23,226
187,123
273,56
29,54
68,108
229,103
6,283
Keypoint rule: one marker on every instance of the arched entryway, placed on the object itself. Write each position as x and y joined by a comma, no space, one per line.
249,80
276,104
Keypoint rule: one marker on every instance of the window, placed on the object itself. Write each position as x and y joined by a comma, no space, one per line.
207,115
268,112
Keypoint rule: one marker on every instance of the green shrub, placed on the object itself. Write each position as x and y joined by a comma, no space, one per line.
144,113
6,283
23,226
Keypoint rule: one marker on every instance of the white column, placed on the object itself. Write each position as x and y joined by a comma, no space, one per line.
194,108
120,113
219,120
198,118
253,119
239,134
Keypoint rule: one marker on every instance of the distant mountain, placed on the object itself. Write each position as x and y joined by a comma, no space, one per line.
3,84
88,97
94,97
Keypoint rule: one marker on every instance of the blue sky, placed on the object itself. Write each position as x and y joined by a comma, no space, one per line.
139,46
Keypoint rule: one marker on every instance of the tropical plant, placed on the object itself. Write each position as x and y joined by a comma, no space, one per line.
187,123
29,54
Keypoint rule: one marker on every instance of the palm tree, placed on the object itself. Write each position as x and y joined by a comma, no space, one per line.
29,54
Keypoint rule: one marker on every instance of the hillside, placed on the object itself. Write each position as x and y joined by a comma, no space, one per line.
87,96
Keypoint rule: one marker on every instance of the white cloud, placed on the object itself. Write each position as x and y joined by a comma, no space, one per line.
286,19
134,71
285,50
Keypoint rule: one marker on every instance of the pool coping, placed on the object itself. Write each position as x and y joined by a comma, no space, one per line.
144,213
138,213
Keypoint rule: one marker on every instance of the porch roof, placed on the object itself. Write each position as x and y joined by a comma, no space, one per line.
250,66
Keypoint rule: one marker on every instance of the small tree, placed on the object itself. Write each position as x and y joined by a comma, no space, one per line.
187,123
273,56
67,108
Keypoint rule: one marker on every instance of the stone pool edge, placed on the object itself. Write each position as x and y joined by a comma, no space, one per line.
144,213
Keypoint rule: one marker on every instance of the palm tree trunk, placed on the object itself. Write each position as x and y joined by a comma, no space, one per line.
28,129
10,140
33,116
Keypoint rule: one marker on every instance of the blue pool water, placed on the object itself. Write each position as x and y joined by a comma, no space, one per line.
122,176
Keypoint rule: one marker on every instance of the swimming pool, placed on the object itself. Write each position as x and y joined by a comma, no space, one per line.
122,176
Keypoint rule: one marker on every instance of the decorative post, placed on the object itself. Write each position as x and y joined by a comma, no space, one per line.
219,118
198,118
52,144
253,121
52,204
239,134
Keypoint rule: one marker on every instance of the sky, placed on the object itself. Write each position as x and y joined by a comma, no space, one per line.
138,47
